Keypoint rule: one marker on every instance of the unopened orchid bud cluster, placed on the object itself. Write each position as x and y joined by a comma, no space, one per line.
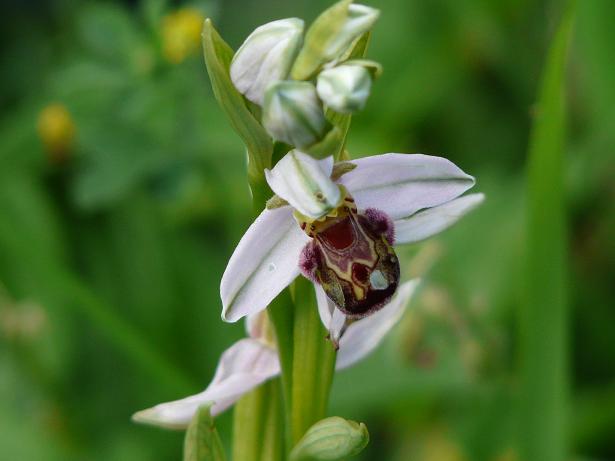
297,79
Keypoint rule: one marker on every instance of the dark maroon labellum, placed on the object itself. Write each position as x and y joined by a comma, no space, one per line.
352,258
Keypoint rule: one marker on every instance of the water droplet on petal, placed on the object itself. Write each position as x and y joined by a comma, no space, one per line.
271,267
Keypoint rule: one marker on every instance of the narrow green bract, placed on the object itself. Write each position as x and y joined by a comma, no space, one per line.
218,56
202,442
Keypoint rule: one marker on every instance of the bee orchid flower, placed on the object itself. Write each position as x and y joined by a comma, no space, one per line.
253,360
338,224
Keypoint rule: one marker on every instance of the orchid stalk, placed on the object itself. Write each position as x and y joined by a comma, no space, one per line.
316,275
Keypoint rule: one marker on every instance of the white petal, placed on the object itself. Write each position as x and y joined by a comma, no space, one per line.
364,335
263,264
331,317
265,57
427,223
402,184
242,367
305,183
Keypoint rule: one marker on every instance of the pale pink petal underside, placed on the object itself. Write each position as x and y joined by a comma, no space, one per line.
242,367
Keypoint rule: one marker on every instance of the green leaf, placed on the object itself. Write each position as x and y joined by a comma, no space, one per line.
218,56
332,439
202,442
544,313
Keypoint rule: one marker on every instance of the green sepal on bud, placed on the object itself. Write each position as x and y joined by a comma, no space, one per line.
266,56
218,55
202,442
292,113
331,34
344,88
331,439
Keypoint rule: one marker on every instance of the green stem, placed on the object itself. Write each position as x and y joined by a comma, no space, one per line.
258,424
248,428
281,314
313,363
273,443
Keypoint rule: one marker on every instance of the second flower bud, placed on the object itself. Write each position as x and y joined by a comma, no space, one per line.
344,88
292,113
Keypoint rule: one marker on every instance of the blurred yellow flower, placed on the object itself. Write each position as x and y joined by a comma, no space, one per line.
56,130
440,447
181,34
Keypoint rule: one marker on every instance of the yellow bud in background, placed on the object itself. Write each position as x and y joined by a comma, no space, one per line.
181,34
57,131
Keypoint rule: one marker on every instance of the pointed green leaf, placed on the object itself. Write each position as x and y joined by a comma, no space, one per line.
544,313
218,56
202,442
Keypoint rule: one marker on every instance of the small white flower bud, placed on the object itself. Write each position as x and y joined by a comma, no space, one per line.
360,19
344,88
292,113
331,35
265,57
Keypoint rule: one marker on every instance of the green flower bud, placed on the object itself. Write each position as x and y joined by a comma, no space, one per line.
266,57
331,34
344,88
292,113
331,439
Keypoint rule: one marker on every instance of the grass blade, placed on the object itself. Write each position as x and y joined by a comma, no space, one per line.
544,313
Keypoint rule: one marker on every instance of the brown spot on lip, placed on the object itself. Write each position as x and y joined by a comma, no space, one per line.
339,235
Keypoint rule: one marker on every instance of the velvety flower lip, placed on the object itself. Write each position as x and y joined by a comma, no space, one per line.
421,193
253,360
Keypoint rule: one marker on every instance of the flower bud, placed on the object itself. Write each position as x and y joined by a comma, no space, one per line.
344,88
331,439
331,34
292,113
265,57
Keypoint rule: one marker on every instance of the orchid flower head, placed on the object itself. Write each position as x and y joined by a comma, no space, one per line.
340,231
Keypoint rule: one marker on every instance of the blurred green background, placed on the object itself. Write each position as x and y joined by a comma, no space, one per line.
123,193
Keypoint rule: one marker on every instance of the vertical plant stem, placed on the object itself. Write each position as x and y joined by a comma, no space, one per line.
281,313
273,442
248,424
312,363
544,314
